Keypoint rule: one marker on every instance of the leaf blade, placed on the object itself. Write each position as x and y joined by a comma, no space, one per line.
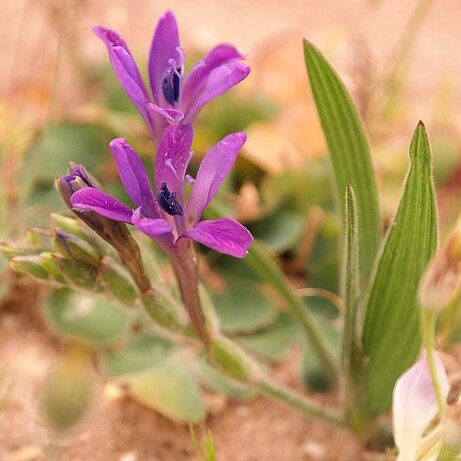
349,151
391,333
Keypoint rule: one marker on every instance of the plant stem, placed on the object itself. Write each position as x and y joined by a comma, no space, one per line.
186,269
429,319
267,386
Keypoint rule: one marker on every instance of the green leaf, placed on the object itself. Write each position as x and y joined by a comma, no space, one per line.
280,231
349,151
350,283
243,308
391,334
92,320
273,342
169,389
143,351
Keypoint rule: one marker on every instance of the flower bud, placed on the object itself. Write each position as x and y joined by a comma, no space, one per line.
10,250
75,273
68,390
29,265
70,225
75,248
116,281
113,232
442,279
39,237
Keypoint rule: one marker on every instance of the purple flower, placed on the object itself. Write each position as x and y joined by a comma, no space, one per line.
165,215
173,97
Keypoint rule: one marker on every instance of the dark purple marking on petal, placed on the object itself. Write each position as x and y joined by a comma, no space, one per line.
98,201
212,172
224,235
169,201
170,85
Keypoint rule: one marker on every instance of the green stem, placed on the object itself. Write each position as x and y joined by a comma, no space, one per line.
298,401
429,321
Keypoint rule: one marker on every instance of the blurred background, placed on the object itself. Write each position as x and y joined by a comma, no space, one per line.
60,101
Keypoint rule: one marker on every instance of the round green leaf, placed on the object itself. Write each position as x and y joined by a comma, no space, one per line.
169,389
143,351
274,342
93,320
242,308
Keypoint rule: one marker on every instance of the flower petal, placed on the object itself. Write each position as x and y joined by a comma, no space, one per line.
124,67
101,203
150,227
212,172
134,176
219,80
414,405
173,116
172,158
224,235
196,79
164,49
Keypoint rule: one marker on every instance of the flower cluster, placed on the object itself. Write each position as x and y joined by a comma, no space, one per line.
162,211
173,96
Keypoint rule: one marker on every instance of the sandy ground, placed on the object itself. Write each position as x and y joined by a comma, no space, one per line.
123,430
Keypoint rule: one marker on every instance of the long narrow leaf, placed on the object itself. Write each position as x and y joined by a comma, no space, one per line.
349,151
350,291
391,333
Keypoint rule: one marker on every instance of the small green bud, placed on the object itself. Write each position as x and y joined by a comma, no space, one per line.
29,265
71,225
75,248
48,262
116,281
68,389
75,273
230,358
164,310
39,237
10,250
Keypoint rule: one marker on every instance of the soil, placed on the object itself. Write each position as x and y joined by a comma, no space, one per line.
124,430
